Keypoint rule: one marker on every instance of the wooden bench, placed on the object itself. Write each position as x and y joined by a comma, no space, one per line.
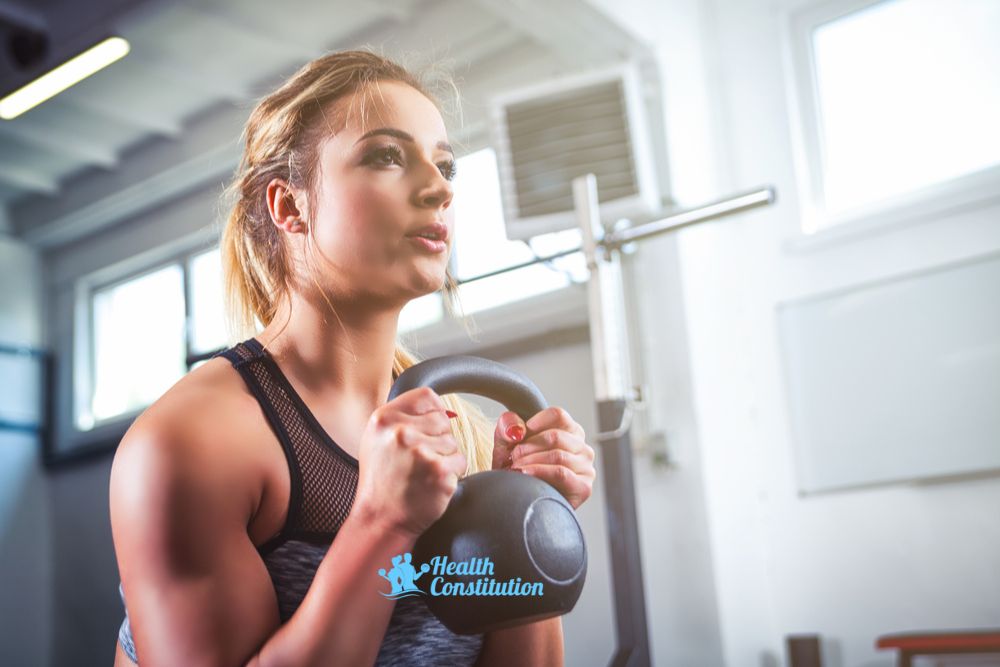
911,644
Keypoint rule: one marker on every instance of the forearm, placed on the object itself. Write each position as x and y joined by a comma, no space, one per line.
538,644
342,618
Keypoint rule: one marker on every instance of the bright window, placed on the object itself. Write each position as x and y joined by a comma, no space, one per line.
481,245
147,328
138,342
208,315
908,96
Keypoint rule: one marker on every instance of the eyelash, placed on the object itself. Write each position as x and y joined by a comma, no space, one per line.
448,169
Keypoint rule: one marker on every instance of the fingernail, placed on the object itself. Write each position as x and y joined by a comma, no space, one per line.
515,432
451,415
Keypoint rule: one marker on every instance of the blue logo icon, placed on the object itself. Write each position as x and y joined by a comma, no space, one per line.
402,577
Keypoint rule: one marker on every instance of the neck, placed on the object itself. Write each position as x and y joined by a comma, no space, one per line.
346,355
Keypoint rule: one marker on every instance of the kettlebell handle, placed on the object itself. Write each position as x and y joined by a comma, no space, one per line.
473,375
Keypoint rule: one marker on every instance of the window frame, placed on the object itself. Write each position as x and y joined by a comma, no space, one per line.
503,324
178,252
817,225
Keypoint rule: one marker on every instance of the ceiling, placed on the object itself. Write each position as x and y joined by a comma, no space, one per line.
166,118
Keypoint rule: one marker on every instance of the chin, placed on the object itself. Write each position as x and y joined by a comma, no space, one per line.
423,282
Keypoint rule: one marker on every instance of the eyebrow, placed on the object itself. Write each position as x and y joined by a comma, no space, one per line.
405,136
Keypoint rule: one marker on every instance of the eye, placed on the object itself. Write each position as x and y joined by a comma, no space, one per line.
385,157
448,169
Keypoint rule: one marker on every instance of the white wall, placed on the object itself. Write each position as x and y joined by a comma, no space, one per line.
851,565
25,550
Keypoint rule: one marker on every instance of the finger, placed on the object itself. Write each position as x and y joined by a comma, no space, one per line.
433,461
457,463
554,417
553,439
509,431
418,401
435,422
578,463
575,488
443,445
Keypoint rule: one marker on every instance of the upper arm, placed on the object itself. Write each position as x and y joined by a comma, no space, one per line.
198,592
539,643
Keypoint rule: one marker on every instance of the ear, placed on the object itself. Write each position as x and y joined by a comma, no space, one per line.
282,205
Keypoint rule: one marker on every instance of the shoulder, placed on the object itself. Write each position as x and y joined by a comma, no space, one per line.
191,435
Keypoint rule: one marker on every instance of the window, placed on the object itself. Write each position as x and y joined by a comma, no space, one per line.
169,315
162,317
208,315
138,342
906,97
482,247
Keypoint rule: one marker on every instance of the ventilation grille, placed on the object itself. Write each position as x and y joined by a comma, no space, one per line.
557,138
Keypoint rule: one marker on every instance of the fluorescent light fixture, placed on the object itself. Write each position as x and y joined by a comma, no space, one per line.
62,77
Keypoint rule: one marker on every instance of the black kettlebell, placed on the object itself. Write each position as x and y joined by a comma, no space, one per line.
523,525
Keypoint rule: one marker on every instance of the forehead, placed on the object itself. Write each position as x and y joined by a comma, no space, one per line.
390,104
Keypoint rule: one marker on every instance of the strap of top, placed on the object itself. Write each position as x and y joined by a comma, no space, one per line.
324,477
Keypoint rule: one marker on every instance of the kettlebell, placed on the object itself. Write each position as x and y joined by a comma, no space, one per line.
525,528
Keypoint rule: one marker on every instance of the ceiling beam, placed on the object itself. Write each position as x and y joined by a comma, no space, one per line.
255,30
485,44
559,25
24,178
398,10
161,126
54,139
198,79
159,189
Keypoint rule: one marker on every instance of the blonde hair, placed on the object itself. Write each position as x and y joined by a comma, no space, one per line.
281,139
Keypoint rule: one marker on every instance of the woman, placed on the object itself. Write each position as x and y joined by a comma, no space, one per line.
253,504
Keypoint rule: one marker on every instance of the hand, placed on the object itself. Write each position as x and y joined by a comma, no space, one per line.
550,446
409,463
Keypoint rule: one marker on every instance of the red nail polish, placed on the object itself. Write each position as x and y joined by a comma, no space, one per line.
451,415
515,432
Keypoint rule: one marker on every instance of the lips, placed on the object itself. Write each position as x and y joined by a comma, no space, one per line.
437,231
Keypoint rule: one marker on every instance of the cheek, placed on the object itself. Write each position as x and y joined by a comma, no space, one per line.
356,216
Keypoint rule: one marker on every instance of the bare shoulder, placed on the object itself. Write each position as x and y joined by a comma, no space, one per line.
184,487
200,426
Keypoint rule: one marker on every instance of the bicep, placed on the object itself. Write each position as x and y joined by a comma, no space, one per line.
198,592
539,643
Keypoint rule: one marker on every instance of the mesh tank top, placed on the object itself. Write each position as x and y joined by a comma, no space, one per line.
324,479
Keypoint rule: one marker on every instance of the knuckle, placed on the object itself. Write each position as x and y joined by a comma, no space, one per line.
399,434
379,418
561,415
430,396
437,469
425,457
553,437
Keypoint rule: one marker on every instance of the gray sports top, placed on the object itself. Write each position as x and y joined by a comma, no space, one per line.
324,480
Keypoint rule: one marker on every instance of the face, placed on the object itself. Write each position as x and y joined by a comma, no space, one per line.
376,186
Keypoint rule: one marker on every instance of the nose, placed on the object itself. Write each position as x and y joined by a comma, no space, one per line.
436,192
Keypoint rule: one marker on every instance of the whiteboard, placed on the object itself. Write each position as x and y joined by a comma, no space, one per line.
897,380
